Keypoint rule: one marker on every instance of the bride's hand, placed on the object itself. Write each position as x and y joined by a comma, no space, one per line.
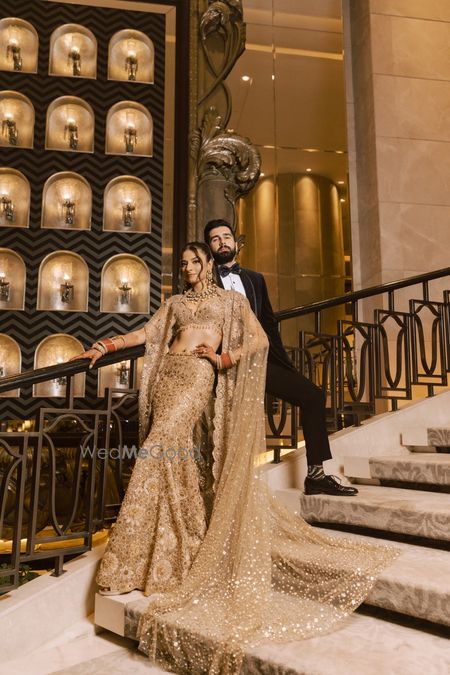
93,354
204,351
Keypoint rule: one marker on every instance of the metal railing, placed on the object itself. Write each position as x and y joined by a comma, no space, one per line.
390,356
64,479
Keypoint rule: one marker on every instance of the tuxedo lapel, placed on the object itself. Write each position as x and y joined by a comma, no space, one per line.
219,279
249,290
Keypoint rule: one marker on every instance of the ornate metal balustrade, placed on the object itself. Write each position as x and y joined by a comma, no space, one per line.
394,356
63,478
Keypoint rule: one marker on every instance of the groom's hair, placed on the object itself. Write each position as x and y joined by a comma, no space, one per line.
212,224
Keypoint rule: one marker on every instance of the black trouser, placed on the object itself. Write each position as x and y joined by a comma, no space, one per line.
290,386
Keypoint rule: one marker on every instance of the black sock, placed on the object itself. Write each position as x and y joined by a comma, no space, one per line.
315,471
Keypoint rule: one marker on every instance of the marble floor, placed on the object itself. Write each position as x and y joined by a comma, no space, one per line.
366,645
88,653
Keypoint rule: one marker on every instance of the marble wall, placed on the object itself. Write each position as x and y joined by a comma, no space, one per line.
398,100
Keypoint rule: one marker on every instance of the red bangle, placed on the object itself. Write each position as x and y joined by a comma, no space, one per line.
225,361
109,345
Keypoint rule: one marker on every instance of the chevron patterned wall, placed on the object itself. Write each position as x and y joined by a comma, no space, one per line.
29,327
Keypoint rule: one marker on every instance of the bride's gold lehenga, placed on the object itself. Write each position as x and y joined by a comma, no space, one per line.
249,570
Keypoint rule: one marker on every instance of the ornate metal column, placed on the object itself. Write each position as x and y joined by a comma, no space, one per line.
224,165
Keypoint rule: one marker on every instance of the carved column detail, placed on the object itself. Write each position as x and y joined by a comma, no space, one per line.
224,165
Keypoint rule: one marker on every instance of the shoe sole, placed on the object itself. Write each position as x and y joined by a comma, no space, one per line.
329,492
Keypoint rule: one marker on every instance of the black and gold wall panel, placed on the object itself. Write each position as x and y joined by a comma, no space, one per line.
95,246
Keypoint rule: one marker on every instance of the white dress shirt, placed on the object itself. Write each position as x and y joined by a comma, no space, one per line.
233,282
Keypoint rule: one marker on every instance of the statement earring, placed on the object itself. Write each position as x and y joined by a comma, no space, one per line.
209,277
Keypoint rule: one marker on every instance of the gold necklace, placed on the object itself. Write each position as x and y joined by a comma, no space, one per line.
195,296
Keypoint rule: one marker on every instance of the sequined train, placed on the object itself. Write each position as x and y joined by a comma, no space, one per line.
249,570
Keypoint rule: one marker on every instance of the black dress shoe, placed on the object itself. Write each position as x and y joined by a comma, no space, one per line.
328,485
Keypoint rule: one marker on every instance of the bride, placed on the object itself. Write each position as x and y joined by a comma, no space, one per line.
198,530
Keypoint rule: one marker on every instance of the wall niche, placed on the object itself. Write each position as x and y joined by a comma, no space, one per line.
73,52
17,120
20,46
14,198
127,205
12,280
55,349
117,376
67,202
125,285
63,283
129,130
70,125
10,362
131,57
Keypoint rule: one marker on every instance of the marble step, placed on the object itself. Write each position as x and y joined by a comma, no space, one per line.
417,513
430,468
422,439
366,645
417,583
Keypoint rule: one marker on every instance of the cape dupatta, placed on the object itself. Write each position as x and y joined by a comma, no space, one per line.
261,573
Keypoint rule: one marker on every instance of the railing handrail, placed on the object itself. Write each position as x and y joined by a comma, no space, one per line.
388,287
29,377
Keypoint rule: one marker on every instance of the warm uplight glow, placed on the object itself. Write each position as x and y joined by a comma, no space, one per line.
245,78
341,182
308,170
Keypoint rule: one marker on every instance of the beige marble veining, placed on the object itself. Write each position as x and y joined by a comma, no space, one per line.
437,10
407,171
412,107
410,47
422,514
417,468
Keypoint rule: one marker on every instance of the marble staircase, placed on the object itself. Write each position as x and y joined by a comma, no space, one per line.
406,617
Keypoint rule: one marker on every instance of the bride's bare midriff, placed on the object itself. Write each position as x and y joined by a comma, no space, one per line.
188,339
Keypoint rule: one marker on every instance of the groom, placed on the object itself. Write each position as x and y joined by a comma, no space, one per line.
283,380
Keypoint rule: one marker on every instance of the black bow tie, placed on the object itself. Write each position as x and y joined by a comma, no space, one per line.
224,271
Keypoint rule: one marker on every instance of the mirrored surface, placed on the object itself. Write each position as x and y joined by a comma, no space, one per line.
125,285
19,45
63,282
67,202
70,125
14,198
73,52
131,57
16,119
129,130
127,205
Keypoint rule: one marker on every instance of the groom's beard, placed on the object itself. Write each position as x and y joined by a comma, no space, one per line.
225,256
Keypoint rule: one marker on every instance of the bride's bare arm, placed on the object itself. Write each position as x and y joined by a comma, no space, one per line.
98,349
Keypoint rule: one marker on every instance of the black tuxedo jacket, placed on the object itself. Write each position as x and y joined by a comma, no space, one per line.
258,297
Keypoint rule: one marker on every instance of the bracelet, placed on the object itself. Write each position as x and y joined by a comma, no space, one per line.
225,361
99,346
119,337
108,345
